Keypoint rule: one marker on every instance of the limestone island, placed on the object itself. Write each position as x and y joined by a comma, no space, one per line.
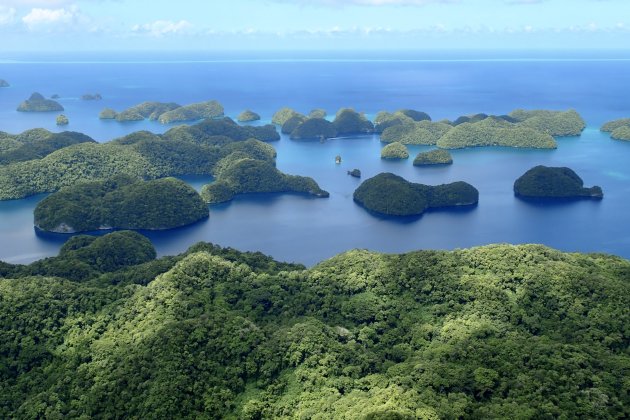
292,123
108,114
618,129
37,103
243,175
314,128
433,157
91,97
248,116
317,113
558,183
62,120
283,114
55,96
349,122
4,83
520,128
394,150
355,173
386,119
193,112
393,195
120,203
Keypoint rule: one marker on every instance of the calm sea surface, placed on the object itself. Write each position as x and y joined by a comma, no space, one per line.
307,230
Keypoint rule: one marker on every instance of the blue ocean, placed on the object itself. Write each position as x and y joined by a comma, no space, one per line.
308,230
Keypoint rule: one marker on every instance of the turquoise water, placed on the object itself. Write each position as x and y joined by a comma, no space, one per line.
307,230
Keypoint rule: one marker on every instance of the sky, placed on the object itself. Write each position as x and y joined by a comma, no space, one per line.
95,25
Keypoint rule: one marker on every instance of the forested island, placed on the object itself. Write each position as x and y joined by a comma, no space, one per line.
618,129
347,122
107,330
239,173
120,203
4,83
520,128
166,112
183,150
91,97
393,195
37,103
62,120
248,116
433,157
395,150
548,182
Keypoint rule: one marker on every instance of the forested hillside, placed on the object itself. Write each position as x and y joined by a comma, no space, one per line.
498,331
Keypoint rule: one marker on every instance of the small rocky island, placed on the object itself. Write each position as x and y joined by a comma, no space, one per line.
62,120
393,195
4,83
91,97
248,116
618,129
244,175
356,173
433,157
120,203
394,150
37,103
555,183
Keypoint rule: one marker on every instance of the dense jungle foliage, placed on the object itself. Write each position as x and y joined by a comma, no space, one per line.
547,182
494,332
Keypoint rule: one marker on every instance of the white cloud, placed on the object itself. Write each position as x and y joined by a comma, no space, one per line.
53,19
161,28
7,15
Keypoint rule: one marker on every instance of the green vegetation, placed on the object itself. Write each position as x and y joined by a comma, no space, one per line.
237,174
248,116
545,182
108,114
355,173
150,110
314,128
120,203
36,144
317,113
4,83
611,126
185,150
62,120
385,119
106,331
495,132
621,133
394,150
91,97
349,122
555,123
292,123
433,157
282,115
392,195
423,132
193,112
37,103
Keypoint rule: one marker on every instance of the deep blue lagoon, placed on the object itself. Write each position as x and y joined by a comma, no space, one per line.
307,230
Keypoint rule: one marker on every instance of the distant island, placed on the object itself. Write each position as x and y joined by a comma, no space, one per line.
394,150
182,150
120,203
248,116
618,129
521,128
392,195
349,122
384,119
4,83
433,157
37,103
317,113
551,182
314,128
91,97
238,174
283,114
62,120
165,112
